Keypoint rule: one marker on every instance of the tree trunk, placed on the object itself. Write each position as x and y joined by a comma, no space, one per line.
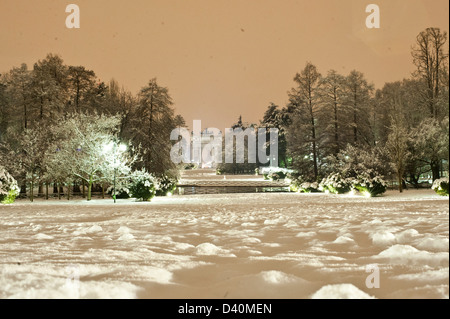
46,191
77,98
89,195
55,187
435,169
32,192
336,134
76,188
68,191
336,126
59,191
355,115
414,180
25,115
103,191
42,108
84,190
314,145
400,181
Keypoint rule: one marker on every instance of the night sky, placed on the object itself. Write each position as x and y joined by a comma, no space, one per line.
219,58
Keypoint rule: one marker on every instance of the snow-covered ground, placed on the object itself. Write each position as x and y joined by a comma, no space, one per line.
284,245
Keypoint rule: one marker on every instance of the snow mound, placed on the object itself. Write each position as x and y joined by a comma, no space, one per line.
108,290
251,240
341,291
248,224
208,249
126,237
94,229
36,227
35,282
306,234
272,245
426,276
344,240
290,224
155,274
79,232
276,277
375,221
407,236
275,221
433,244
405,254
42,236
123,230
183,246
383,238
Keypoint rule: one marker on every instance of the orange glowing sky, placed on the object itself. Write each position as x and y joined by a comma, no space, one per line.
219,58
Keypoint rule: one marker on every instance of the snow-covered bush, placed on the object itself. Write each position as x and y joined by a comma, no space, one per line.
276,176
165,186
369,186
122,192
309,187
275,173
299,185
356,169
367,183
294,185
190,166
353,161
142,186
9,189
440,186
336,183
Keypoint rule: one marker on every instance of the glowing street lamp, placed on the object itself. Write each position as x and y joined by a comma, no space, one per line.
114,147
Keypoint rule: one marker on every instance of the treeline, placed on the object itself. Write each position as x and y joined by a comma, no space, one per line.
54,109
404,125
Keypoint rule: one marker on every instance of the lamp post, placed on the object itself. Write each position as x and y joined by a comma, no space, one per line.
122,148
115,170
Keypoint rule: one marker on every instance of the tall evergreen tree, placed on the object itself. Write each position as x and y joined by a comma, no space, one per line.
152,124
304,130
358,98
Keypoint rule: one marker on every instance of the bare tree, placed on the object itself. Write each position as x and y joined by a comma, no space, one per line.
430,58
397,147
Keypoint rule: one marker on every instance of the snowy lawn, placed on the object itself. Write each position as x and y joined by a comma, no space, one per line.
283,245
